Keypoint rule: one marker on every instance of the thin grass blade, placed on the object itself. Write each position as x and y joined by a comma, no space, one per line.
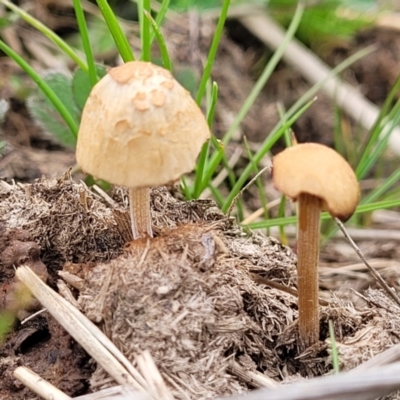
363,208
84,34
143,8
116,31
202,163
161,42
266,146
62,45
213,51
270,67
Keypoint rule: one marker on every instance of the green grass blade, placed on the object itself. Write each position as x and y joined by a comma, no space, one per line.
287,135
260,187
62,45
143,7
375,132
185,188
266,146
361,209
218,197
270,67
162,11
334,350
203,157
116,31
377,193
84,34
7,320
310,94
65,114
214,163
213,51
161,42
381,135
213,105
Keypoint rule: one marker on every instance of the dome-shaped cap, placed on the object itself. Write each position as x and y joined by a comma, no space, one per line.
320,171
140,128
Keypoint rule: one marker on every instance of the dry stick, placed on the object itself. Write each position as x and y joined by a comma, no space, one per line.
376,234
114,393
38,385
139,205
314,70
307,268
364,385
275,285
373,271
152,375
253,379
258,213
82,330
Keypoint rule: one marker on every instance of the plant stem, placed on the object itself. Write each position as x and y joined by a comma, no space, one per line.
121,41
307,269
139,204
84,34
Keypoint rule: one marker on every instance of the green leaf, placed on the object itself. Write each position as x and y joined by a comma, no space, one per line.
4,22
116,31
46,115
82,86
187,78
7,320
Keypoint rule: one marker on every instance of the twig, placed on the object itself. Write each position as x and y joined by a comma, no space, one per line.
254,379
373,271
38,385
252,217
114,393
82,330
283,288
150,371
236,198
364,385
32,316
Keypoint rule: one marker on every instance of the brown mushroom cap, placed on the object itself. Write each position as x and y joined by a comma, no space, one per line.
140,128
320,171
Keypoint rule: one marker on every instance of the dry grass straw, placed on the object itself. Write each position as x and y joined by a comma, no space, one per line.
94,341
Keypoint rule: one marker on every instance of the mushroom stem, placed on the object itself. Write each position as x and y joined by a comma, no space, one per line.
309,208
139,204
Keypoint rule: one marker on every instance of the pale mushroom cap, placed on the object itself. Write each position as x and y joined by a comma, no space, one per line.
320,171
140,128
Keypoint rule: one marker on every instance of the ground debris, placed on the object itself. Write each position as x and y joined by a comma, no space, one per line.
184,298
188,296
65,218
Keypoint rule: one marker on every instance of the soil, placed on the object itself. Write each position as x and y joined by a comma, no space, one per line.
51,222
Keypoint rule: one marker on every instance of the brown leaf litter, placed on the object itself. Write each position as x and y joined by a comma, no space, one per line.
188,296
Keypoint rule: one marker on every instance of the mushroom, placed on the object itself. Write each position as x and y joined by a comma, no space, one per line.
320,179
139,129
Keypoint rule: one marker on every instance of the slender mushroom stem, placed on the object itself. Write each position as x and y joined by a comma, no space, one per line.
139,204
307,268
